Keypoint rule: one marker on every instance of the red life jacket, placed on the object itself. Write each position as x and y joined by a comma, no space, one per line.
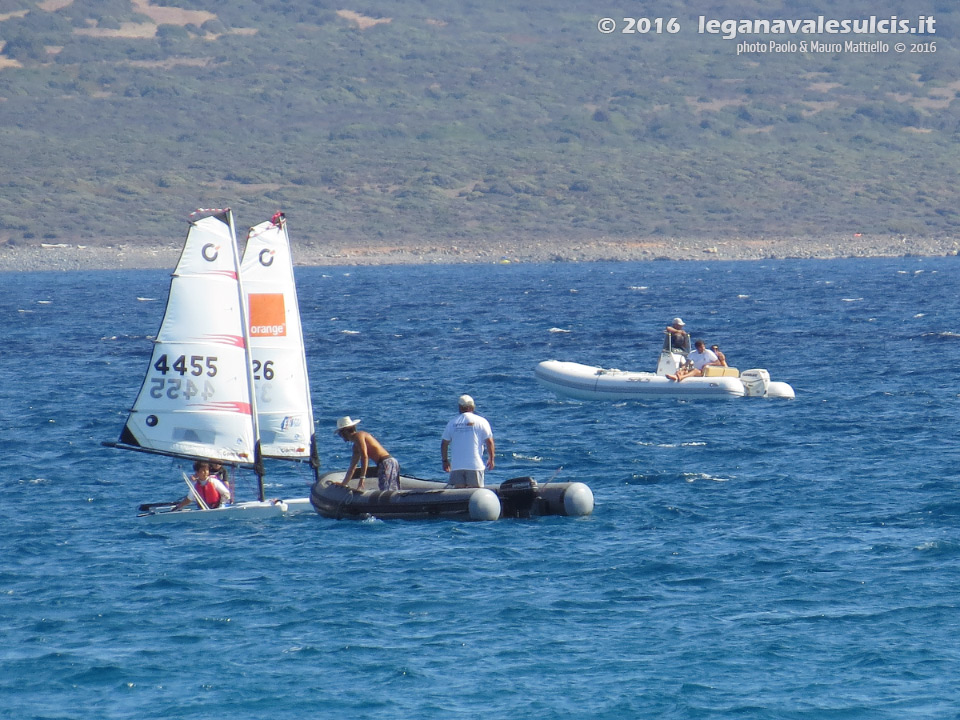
209,494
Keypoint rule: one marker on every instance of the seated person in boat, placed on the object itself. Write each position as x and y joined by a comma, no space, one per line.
207,487
677,339
220,473
698,359
721,358
365,449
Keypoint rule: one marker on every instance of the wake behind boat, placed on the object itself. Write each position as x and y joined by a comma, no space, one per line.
587,382
227,380
419,499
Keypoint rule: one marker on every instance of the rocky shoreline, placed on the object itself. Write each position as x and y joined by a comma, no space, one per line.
59,257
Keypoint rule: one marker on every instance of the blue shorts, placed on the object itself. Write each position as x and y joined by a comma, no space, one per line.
388,474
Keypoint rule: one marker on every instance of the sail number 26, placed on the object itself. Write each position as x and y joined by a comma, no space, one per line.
263,370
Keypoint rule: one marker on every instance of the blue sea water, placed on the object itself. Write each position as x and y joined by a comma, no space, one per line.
747,558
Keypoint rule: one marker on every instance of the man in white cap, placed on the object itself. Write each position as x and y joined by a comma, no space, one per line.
678,339
366,448
463,443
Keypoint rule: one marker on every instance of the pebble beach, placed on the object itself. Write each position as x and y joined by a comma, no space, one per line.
66,256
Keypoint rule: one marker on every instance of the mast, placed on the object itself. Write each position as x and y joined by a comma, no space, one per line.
241,298
281,220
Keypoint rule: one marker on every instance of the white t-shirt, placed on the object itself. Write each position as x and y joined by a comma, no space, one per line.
702,358
467,434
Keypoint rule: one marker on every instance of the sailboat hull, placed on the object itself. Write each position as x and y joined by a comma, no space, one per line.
245,510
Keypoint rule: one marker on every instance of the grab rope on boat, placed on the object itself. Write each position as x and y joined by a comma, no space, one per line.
348,500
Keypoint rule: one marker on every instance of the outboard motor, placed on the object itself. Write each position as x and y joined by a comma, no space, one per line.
755,382
517,496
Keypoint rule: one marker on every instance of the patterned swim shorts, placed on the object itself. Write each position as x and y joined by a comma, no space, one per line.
388,474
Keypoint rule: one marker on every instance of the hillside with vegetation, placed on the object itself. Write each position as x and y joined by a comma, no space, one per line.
459,123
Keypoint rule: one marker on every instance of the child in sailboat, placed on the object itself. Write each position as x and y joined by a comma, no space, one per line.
207,487
219,472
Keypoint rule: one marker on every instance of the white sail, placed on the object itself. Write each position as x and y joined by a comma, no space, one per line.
196,398
284,410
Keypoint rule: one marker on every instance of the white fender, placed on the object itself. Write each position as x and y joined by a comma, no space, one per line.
777,389
578,500
484,505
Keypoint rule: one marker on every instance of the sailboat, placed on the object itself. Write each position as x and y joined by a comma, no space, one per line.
284,411
198,400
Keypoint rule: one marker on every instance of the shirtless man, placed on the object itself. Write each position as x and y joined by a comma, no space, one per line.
365,449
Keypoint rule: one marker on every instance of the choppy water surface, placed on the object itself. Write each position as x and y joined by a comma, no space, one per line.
747,558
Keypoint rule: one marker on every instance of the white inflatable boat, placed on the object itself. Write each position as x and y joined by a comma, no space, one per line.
586,382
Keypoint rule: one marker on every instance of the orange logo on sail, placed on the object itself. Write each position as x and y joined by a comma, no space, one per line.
268,317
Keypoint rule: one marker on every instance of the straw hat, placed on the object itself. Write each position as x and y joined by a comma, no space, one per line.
345,423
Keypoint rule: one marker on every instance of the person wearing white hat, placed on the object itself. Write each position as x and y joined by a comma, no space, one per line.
366,448
678,339
464,439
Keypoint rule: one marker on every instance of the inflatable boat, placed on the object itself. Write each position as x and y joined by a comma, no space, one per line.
586,382
419,499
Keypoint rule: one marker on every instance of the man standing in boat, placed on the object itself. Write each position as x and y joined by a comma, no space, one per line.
677,339
464,440
366,448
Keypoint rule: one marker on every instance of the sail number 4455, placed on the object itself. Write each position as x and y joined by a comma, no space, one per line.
196,367
175,388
